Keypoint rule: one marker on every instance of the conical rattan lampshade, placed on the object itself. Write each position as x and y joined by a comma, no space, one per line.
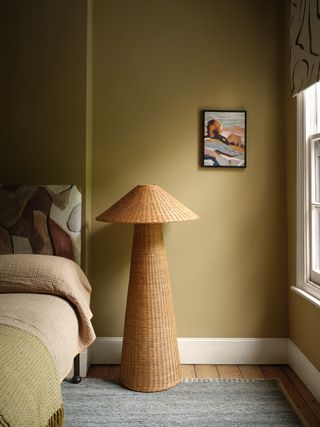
147,204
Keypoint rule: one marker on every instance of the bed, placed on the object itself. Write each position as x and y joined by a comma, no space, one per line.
44,301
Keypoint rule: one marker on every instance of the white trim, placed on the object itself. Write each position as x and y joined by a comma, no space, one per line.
306,295
305,130
107,350
239,351
88,181
233,350
312,271
301,201
304,369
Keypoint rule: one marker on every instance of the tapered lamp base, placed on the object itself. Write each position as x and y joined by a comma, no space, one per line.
150,359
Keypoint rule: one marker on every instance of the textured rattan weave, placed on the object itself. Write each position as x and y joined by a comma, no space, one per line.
147,204
150,357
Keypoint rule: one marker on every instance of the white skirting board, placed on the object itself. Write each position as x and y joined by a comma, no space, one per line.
233,350
302,366
107,350
239,351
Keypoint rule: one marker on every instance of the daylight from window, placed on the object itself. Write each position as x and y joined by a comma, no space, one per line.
310,124
312,110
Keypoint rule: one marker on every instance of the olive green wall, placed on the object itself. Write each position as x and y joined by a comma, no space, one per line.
44,87
43,92
304,327
156,64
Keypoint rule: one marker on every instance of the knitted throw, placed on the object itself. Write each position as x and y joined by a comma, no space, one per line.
30,393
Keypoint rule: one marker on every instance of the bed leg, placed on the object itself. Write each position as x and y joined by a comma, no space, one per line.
76,370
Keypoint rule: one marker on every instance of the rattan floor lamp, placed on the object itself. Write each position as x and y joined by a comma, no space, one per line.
150,358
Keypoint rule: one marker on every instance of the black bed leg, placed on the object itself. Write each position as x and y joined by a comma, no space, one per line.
76,370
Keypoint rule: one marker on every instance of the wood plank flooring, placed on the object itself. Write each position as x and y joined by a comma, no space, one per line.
298,392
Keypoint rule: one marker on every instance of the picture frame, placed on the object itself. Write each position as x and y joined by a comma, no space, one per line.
224,138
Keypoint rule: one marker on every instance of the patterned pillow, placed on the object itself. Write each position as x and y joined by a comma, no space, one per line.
40,219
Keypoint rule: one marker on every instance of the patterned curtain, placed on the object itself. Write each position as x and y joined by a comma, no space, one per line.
304,44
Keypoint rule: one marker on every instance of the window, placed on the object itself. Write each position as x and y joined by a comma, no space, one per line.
308,253
313,208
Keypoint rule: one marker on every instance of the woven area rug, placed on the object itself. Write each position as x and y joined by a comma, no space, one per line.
97,402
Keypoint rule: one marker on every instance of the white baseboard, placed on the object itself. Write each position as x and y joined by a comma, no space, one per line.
233,350
239,351
302,366
107,350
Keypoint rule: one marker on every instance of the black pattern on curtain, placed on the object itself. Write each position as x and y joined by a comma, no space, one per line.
304,44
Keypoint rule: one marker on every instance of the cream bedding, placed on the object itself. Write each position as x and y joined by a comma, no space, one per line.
48,317
49,297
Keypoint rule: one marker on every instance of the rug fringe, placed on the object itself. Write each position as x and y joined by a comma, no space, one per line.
221,380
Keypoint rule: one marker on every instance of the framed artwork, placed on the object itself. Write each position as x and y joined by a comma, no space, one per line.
224,141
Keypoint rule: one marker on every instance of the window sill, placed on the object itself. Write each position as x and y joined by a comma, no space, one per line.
315,301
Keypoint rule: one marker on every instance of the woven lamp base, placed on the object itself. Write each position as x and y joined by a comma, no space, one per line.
150,358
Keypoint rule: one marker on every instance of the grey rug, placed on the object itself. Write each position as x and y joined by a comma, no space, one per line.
97,402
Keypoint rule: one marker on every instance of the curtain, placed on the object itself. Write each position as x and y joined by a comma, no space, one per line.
304,44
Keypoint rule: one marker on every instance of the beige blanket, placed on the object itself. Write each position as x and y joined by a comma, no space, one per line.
48,317
45,274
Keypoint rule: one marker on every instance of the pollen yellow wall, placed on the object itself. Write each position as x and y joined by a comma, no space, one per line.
304,327
156,64
43,88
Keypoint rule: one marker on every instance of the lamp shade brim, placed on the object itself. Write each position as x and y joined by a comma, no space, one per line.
147,204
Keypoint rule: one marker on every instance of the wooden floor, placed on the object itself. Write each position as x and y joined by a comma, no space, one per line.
298,392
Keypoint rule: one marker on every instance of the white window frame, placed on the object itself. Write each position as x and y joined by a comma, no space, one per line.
306,135
313,205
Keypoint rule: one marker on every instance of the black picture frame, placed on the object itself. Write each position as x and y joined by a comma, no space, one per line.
223,139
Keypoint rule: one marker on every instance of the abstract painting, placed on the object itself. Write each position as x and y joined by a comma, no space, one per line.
224,142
